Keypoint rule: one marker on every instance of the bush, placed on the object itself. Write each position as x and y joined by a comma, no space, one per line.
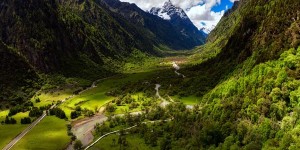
35,112
25,120
111,108
58,113
9,120
78,145
75,114
37,100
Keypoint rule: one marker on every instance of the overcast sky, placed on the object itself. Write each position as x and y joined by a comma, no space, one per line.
203,13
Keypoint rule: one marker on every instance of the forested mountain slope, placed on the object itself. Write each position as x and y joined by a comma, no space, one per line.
73,38
248,81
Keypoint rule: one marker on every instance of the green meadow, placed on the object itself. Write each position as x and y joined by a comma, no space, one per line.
189,100
8,132
7,135
49,134
47,98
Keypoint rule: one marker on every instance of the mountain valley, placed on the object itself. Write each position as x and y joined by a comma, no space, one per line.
105,74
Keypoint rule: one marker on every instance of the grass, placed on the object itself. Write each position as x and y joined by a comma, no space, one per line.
50,97
18,116
134,143
49,134
3,114
189,100
8,132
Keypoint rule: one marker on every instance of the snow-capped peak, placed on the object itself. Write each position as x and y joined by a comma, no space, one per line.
168,11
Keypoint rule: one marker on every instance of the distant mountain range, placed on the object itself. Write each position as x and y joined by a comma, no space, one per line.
179,19
175,30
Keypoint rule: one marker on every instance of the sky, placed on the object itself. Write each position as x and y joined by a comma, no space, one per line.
203,13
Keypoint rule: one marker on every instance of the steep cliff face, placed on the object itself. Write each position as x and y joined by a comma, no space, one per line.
258,27
17,77
57,36
69,37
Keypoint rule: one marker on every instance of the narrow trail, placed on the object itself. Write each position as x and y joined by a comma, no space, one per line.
157,86
164,101
107,135
84,128
113,132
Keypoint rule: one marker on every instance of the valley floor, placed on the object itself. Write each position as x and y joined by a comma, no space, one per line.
132,92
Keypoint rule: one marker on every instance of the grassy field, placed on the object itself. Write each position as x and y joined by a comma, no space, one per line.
134,143
8,132
3,114
50,133
51,97
190,100
18,116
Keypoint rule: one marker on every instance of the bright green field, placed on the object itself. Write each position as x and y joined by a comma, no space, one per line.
18,116
134,143
49,98
96,97
8,132
3,114
190,100
49,134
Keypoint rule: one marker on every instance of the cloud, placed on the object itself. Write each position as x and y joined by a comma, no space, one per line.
184,4
203,17
199,11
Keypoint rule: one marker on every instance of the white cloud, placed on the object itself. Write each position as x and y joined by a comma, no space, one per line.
204,18
199,11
